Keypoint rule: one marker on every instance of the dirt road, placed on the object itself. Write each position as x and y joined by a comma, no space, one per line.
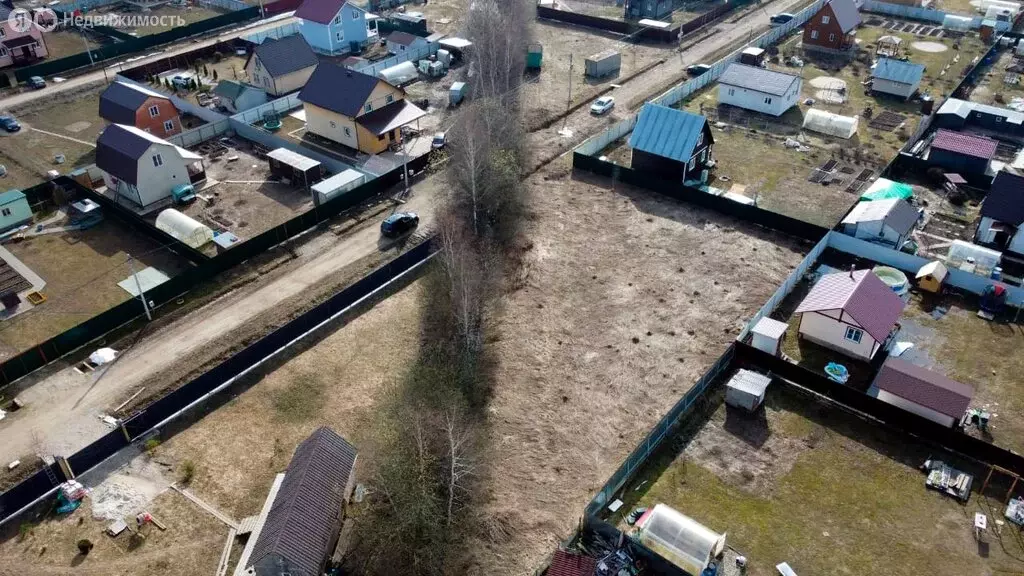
62,411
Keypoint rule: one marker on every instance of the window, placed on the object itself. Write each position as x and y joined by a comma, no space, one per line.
3,51
348,132
732,92
355,14
854,334
825,19
2,33
402,46
999,119
831,37
767,100
381,137
700,138
693,162
389,98
340,36
168,125
333,124
368,107
6,211
337,19
814,34
703,155
154,111
157,160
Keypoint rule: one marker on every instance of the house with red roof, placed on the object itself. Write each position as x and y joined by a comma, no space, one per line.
850,312
833,28
335,26
962,153
921,391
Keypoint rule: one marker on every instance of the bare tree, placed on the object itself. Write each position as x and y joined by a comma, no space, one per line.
459,467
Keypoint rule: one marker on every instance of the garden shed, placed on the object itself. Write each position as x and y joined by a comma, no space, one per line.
746,390
183,228
830,124
294,167
679,539
931,276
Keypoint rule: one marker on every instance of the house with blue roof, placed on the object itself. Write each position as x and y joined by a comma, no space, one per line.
896,77
671,144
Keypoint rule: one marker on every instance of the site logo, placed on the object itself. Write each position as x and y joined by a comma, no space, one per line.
21,20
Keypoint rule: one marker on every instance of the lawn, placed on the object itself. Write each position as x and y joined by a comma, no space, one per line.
62,43
827,492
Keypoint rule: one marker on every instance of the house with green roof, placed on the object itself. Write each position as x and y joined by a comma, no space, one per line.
239,96
14,210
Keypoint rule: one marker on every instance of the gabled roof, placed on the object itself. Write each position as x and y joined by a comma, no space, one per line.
338,89
119,148
403,38
231,89
862,295
924,387
120,101
894,212
394,115
963,109
898,71
966,144
1005,199
759,79
11,196
323,11
286,55
667,132
847,15
307,509
570,564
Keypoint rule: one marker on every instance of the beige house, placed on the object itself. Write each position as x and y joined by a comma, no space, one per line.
281,66
357,110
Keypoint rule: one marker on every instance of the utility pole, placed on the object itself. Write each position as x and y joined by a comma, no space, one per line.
138,285
568,103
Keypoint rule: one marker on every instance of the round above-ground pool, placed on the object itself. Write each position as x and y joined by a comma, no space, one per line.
893,278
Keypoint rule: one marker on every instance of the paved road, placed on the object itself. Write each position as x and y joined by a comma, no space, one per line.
101,74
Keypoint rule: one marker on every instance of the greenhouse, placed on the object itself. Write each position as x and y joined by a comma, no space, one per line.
972,258
183,228
830,124
679,539
885,189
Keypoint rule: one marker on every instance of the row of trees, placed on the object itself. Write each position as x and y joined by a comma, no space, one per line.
431,435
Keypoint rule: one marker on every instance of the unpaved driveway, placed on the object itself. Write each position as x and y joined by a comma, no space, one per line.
62,411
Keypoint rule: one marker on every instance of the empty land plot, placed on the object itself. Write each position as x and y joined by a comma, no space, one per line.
803,482
613,10
72,114
1001,83
625,299
63,43
81,269
160,19
960,7
34,151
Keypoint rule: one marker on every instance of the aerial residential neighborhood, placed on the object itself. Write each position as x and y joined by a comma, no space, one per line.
552,287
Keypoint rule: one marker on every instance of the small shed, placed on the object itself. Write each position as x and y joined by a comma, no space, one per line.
896,77
921,391
294,167
183,228
679,539
931,276
752,56
457,46
457,93
768,335
336,185
746,390
962,153
603,64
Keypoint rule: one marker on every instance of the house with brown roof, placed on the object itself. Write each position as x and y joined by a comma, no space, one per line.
850,312
962,153
138,106
833,28
336,26
921,391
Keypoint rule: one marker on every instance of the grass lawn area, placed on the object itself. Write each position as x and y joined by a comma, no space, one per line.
806,483
62,43
190,15
33,152
961,7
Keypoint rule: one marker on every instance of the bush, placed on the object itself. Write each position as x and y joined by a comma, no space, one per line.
957,198
151,445
84,546
24,531
188,471
936,176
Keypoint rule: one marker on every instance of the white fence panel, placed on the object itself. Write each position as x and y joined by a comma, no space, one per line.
200,134
417,54
274,33
230,5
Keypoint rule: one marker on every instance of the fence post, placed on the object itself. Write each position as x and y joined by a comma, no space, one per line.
65,467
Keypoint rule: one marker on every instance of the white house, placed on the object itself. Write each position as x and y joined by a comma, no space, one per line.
896,77
850,312
887,222
920,391
759,89
1002,214
144,170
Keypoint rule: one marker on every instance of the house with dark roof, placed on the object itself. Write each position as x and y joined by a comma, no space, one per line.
833,28
1002,214
671,144
399,42
850,312
281,66
759,89
356,110
921,391
238,96
335,26
142,170
961,115
147,110
299,527
889,222
20,42
896,77
962,153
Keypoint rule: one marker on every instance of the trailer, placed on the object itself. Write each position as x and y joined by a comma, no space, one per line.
603,64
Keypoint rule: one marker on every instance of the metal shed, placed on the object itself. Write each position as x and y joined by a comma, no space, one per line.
679,539
746,390
336,185
294,167
752,56
768,335
603,64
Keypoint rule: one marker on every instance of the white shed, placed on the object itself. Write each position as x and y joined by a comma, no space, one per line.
890,221
337,185
759,89
768,334
679,539
746,390
830,124
183,228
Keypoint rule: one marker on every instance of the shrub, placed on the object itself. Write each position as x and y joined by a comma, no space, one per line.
214,75
936,176
84,546
24,531
151,445
188,471
957,198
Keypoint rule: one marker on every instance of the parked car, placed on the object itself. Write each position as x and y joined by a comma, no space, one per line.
602,105
36,82
439,140
697,69
398,224
9,124
781,18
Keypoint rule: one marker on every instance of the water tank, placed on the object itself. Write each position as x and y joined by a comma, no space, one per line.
893,278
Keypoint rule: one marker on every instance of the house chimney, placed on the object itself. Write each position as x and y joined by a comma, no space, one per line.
852,266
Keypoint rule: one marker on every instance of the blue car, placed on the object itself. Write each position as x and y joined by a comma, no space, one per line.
9,124
398,224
